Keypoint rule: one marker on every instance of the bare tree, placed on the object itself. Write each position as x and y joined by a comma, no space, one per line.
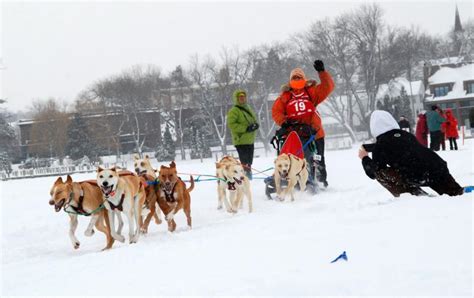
49,129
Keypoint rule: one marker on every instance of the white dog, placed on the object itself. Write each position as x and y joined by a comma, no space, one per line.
232,178
293,169
122,192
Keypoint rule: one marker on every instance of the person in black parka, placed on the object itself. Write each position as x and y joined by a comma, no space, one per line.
401,164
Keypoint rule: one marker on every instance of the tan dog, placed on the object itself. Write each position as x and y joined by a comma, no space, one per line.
81,198
232,178
293,169
173,195
144,169
125,192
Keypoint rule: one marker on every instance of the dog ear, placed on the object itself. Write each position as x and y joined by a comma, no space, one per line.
59,180
218,165
69,179
99,169
114,169
172,164
136,157
147,157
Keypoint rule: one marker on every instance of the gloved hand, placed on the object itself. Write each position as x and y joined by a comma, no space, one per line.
252,127
288,123
318,65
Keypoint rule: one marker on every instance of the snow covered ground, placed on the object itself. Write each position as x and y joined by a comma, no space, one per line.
404,246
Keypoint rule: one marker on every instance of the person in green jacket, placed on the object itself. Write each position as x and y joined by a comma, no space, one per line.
242,121
434,121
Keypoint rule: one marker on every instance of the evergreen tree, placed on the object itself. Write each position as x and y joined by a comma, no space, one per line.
166,150
198,132
79,143
8,142
5,162
405,105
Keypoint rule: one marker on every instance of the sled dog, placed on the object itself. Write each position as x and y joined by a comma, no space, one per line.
233,180
122,192
81,198
173,195
293,169
144,169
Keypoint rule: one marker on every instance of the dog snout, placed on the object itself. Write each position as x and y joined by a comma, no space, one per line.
137,170
105,183
51,202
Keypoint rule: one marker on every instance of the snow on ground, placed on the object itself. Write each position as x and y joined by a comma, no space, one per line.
404,246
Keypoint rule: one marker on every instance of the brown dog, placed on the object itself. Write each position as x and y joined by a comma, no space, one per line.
173,195
144,169
81,198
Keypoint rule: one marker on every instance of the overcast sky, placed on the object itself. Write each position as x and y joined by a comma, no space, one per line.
56,49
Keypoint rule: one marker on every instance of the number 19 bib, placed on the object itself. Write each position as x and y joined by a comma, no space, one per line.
299,106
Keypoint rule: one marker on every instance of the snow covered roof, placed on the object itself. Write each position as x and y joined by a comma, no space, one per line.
447,60
453,75
393,88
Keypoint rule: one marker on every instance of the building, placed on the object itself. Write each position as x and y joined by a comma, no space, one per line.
453,88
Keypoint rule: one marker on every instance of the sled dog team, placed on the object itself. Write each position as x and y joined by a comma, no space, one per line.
135,194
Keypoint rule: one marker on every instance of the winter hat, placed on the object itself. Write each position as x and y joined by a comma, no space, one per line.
381,122
297,72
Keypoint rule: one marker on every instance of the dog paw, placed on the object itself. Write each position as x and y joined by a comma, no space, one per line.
89,233
219,207
232,210
76,244
119,238
143,230
158,221
170,216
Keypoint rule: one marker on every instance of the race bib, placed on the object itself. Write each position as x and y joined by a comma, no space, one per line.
299,106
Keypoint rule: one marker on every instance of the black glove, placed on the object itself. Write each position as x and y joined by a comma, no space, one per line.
288,123
252,127
318,65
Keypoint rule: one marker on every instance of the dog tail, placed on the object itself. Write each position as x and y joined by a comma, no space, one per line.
192,184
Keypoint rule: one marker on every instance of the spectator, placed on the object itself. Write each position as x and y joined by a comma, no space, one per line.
422,130
401,164
434,121
404,124
243,125
451,130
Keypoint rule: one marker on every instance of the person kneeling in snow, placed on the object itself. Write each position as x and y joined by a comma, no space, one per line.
401,164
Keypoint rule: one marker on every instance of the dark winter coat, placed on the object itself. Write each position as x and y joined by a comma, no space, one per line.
239,117
415,163
405,125
422,130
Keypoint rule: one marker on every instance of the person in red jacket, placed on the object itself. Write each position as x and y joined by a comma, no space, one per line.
298,103
421,131
451,129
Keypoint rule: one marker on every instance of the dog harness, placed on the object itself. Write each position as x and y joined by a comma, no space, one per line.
297,174
169,196
120,204
79,210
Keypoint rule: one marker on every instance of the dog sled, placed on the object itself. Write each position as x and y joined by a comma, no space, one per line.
297,139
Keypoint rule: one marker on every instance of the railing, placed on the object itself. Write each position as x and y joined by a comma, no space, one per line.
53,171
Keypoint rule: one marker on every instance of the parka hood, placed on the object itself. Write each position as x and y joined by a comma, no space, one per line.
236,95
381,122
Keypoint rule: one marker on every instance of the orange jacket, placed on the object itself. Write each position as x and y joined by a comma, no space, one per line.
317,93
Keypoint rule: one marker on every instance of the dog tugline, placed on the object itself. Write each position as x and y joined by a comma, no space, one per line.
295,110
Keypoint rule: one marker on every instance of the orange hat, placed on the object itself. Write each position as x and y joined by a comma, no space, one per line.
299,72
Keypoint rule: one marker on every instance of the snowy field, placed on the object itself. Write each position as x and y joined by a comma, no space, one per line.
404,246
